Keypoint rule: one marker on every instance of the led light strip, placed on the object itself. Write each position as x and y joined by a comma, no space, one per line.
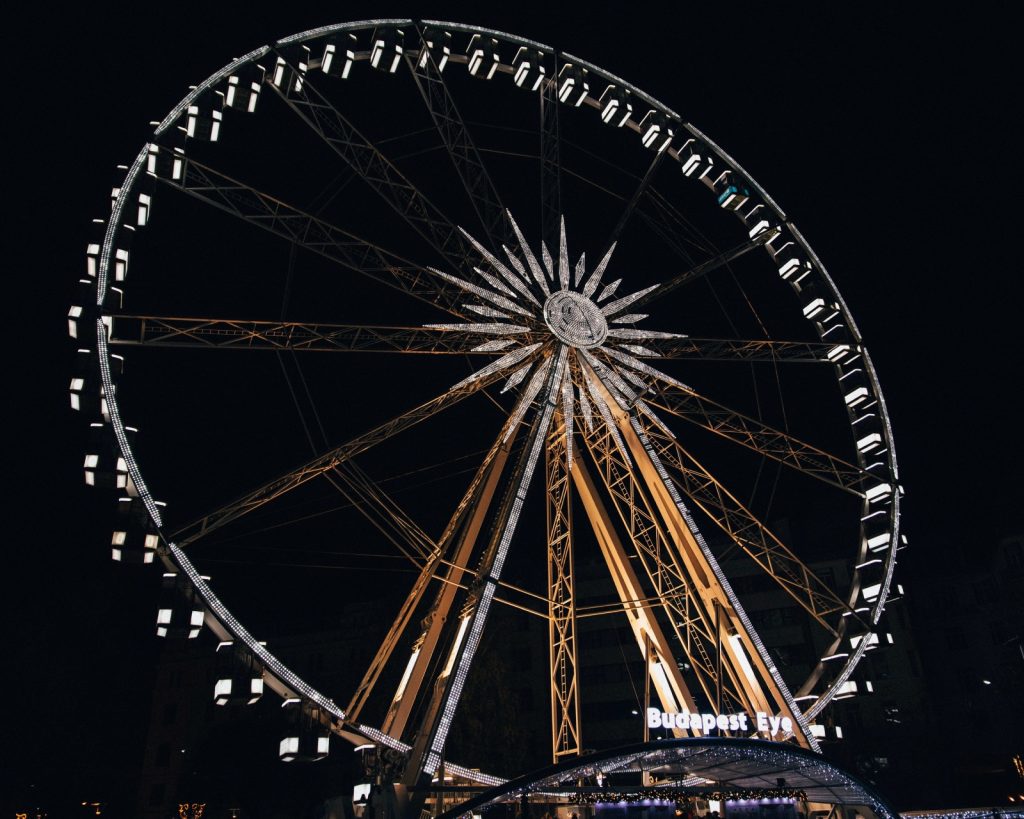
118,426
102,278
205,86
227,619
459,770
843,676
490,584
894,524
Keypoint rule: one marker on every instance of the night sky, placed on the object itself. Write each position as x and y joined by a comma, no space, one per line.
886,135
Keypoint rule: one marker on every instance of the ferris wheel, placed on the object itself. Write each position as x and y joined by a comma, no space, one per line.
497,246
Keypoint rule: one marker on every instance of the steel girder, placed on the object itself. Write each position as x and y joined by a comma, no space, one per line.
464,155
242,334
478,497
689,618
439,712
328,460
374,168
753,537
706,267
731,349
550,162
235,334
741,654
685,403
314,234
566,738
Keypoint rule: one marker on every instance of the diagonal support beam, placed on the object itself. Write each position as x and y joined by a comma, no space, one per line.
638,194
689,405
440,711
391,639
739,646
706,267
330,459
689,616
550,162
654,647
731,349
366,160
753,537
457,140
474,505
424,649
314,234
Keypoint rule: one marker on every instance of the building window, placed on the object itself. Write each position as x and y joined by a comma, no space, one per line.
163,754
170,713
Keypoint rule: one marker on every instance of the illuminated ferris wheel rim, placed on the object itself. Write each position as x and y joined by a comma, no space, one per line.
220,618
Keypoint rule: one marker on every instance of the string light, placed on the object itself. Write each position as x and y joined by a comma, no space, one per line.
673,795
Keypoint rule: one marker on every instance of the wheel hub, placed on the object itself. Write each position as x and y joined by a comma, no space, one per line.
575,319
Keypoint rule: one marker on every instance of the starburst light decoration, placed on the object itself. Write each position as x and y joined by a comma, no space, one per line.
535,310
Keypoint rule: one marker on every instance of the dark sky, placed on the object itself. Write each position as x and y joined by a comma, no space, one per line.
885,134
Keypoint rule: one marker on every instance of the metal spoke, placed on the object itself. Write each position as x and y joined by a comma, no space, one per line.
752,536
375,169
314,234
732,349
381,510
706,267
638,194
234,334
661,216
296,477
685,403
458,574
461,148
550,162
